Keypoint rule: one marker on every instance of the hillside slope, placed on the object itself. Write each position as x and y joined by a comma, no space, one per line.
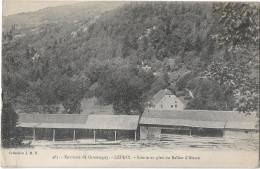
72,48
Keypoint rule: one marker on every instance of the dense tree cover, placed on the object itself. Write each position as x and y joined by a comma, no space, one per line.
61,62
238,79
238,29
123,86
235,57
157,30
237,24
10,135
211,96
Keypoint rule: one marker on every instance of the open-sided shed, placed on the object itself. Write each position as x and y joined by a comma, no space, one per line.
201,122
88,123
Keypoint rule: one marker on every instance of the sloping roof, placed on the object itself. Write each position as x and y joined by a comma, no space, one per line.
199,118
201,115
159,95
52,125
77,121
181,122
52,120
120,122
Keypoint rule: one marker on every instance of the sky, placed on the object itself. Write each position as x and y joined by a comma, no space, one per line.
11,7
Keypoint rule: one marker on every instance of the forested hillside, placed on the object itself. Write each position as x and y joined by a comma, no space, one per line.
63,54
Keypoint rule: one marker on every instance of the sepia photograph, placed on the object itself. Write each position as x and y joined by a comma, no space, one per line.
130,84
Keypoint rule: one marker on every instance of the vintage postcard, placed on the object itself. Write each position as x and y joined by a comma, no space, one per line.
130,84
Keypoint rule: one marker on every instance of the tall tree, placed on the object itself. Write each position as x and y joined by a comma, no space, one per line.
126,47
9,133
237,24
124,88
243,85
211,96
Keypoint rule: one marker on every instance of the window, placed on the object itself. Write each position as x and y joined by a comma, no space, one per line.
175,106
169,96
175,101
171,106
246,131
161,106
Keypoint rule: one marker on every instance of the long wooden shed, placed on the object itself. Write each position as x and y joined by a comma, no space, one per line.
88,125
153,123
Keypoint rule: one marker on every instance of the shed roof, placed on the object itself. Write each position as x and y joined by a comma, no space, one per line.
77,121
52,125
199,118
120,122
52,120
181,122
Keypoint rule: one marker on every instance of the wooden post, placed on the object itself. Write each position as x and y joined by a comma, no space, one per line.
135,135
94,136
53,135
74,135
115,135
34,133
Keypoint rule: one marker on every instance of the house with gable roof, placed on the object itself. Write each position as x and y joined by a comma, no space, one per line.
166,100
